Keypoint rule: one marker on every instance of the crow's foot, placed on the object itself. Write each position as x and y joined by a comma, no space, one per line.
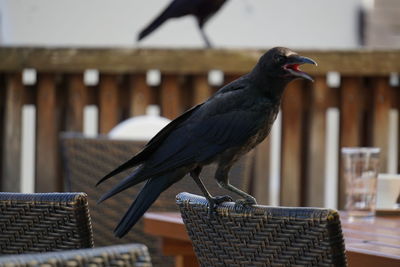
249,201
215,201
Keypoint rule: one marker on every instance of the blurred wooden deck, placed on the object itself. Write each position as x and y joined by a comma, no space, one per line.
364,97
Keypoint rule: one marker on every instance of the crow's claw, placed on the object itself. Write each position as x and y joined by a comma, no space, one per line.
215,201
246,201
220,199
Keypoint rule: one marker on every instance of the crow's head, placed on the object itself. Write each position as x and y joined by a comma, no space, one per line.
284,63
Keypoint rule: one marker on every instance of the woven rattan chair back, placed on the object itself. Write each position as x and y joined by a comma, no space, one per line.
42,222
132,255
86,160
261,235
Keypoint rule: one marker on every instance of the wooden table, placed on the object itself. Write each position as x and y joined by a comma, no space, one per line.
374,242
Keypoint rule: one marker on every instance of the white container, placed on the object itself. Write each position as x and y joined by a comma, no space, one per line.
388,191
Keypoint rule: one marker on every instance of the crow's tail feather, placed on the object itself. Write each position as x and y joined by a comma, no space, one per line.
174,10
149,193
151,27
136,160
131,180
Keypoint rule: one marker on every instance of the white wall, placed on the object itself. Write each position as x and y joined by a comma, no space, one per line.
241,23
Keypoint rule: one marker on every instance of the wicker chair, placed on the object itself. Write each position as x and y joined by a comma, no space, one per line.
86,160
44,222
261,235
132,255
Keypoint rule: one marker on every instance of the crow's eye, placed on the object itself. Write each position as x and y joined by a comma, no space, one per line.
280,58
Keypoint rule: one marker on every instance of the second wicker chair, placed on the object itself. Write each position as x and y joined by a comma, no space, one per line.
261,235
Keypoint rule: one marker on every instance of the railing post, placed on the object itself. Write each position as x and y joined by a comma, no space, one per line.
202,90
320,98
11,178
293,150
382,102
140,93
170,96
48,127
352,103
77,99
108,102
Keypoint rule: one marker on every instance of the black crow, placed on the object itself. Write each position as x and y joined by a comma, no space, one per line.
220,130
203,10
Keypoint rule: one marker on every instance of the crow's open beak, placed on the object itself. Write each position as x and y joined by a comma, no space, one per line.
294,63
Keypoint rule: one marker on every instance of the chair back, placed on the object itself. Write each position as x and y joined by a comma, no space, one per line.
86,160
262,236
132,255
42,222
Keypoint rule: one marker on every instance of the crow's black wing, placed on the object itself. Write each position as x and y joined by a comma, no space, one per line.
199,141
151,146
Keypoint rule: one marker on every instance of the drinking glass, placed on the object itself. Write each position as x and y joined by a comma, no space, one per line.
361,167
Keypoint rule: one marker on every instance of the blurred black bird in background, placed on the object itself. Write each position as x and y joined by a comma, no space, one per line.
203,10
229,124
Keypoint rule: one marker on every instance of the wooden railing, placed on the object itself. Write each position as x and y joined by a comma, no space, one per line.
364,99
